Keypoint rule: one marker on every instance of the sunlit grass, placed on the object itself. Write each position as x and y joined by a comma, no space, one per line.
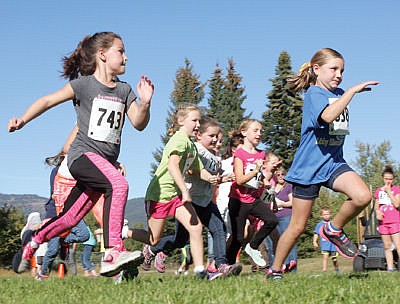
309,285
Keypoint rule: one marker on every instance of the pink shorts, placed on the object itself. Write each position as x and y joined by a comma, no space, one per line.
160,210
391,228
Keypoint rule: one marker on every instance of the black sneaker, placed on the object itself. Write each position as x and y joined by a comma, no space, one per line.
273,275
343,244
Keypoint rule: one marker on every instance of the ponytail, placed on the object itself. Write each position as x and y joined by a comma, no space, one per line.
306,77
82,60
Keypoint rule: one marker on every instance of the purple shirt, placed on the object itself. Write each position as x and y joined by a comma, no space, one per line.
283,195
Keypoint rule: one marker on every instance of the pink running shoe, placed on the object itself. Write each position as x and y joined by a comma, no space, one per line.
148,257
343,244
27,253
159,262
116,260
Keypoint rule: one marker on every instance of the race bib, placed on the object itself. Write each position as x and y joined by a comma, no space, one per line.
340,126
384,198
255,182
106,120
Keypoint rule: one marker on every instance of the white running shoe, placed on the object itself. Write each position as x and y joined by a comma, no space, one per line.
255,255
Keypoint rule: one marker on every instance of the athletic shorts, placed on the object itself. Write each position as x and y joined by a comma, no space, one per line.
388,229
311,192
161,210
332,254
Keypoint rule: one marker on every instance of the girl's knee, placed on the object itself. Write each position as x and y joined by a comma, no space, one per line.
363,198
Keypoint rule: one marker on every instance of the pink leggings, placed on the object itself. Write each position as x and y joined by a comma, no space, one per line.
95,176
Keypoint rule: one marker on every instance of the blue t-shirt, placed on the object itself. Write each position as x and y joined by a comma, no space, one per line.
323,244
320,151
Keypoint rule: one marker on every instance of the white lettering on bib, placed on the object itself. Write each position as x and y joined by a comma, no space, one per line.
106,120
340,126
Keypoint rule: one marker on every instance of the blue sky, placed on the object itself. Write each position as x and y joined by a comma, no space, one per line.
158,36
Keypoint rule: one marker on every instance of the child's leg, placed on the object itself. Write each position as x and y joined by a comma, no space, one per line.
187,216
301,210
396,242
270,222
358,193
387,245
325,258
335,263
151,236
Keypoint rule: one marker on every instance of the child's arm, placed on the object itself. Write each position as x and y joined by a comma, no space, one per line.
40,106
315,240
394,198
242,178
332,111
174,170
70,139
283,204
139,114
208,177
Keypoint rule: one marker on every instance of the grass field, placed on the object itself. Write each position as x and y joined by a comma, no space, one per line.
308,285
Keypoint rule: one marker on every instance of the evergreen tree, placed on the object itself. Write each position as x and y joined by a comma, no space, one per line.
11,223
187,88
371,161
216,86
282,120
226,98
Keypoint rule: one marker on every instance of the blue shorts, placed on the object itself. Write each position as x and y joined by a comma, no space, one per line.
311,192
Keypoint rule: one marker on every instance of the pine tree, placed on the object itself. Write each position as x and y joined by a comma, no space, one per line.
216,86
187,88
226,98
282,120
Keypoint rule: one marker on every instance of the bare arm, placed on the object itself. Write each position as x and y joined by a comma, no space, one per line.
40,106
173,169
139,114
286,204
315,240
242,178
70,139
331,112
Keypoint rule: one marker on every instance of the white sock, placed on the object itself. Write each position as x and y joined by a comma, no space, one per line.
198,269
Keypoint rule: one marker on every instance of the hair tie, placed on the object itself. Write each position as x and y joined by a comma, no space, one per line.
305,66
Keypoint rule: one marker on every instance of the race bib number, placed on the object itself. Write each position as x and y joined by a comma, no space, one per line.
255,182
340,126
384,198
106,120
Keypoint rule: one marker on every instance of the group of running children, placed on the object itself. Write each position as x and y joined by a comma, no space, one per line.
184,181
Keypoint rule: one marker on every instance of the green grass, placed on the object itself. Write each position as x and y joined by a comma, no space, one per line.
302,287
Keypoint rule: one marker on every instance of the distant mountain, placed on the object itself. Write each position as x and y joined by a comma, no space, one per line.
28,203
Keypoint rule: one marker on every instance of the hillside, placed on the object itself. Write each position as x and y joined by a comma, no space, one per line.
28,203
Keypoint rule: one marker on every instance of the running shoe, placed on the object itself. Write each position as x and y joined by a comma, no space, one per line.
27,253
343,244
116,260
255,255
159,262
202,274
291,266
228,270
41,277
212,268
273,275
148,257
214,275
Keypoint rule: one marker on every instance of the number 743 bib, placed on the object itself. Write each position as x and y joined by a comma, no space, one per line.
106,120
340,126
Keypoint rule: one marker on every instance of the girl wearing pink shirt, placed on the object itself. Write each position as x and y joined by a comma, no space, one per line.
386,208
